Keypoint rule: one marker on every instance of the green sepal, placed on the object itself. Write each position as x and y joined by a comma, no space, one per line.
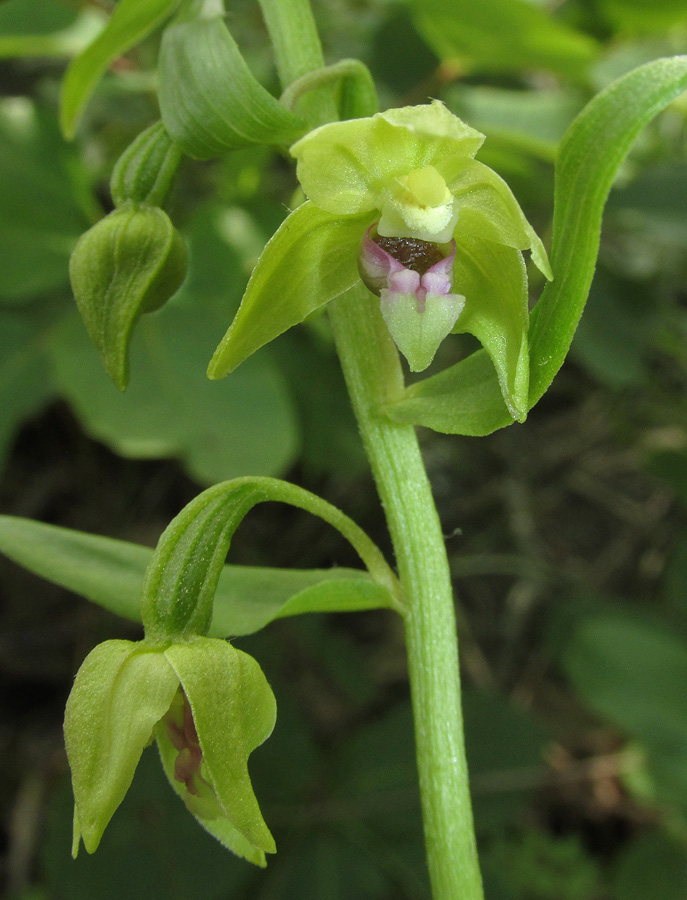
144,172
181,579
129,23
493,279
310,260
209,99
488,210
120,692
347,167
129,263
234,711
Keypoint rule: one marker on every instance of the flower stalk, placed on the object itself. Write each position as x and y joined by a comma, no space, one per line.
373,373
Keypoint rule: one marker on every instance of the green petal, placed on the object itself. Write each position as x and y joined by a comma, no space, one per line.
493,279
345,167
234,711
488,210
120,692
419,334
310,260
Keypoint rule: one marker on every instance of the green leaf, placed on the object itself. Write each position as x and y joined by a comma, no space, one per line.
110,572
108,722
209,99
634,674
170,409
533,121
318,251
25,379
42,183
465,398
651,865
128,264
131,21
502,35
640,17
40,28
591,153
181,579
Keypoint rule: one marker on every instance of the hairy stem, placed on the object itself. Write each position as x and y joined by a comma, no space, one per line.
373,375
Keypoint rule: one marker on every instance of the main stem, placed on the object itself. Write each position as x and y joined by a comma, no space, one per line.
373,374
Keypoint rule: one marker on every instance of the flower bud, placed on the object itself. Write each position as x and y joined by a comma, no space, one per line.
413,279
144,172
130,263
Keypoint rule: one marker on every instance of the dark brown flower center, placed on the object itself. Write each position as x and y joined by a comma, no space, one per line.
412,253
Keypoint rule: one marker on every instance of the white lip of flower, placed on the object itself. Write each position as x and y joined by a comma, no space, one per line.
419,205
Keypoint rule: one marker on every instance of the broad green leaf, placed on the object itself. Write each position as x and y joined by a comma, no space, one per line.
634,674
42,205
110,572
652,865
108,722
246,424
129,263
501,35
25,379
45,28
640,17
181,579
614,335
464,399
209,99
532,121
310,260
19,17
131,21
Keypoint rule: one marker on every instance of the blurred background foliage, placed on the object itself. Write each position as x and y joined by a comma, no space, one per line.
567,536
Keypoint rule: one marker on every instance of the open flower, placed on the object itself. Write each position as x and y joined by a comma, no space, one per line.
206,704
406,175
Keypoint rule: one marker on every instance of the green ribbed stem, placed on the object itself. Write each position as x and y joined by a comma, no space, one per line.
373,375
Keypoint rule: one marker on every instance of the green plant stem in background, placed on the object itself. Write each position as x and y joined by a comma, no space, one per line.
373,374
374,377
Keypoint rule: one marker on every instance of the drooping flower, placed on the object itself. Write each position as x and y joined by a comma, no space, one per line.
206,704
399,200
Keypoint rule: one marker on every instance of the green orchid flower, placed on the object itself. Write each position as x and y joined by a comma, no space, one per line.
398,200
206,704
